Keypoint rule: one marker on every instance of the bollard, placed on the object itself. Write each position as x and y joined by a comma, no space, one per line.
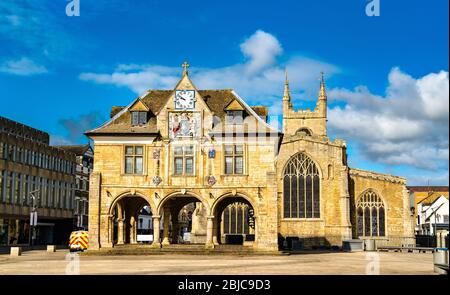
51,248
440,259
16,251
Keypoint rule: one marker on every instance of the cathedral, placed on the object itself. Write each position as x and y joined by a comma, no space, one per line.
212,171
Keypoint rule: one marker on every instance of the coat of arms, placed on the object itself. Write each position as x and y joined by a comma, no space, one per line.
184,124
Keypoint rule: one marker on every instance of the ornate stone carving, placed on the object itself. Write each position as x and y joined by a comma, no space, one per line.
156,180
211,180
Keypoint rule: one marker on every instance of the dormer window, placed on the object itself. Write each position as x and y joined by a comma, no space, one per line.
235,117
138,118
234,113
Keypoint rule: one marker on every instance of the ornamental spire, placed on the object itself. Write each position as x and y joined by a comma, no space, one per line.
287,93
322,92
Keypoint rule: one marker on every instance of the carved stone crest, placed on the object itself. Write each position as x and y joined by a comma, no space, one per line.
212,180
156,180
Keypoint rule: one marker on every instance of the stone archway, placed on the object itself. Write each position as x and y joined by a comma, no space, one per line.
176,210
234,220
124,215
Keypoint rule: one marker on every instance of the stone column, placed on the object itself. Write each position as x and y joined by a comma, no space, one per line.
209,232
215,232
166,221
94,211
166,164
133,238
346,231
175,232
111,230
156,229
120,231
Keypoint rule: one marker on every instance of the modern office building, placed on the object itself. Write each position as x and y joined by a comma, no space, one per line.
84,165
34,177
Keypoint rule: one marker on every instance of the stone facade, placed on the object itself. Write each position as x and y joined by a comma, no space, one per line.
168,149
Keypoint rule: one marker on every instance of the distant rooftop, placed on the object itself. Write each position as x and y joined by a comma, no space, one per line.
75,149
426,188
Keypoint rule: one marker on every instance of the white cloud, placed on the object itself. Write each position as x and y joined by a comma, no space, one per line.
262,49
259,79
407,127
22,67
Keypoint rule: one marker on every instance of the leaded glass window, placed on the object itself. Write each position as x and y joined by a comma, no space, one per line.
234,159
236,219
184,160
138,118
370,215
134,163
301,188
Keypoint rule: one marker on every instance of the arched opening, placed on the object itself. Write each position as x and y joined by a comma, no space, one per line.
304,131
183,220
131,221
234,222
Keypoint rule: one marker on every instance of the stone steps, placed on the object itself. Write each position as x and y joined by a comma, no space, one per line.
198,249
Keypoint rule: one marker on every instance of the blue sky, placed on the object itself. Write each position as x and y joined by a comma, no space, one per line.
387,76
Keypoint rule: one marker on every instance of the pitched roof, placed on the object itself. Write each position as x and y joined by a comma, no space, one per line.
75,149
262,111
155,100
431,199
425,188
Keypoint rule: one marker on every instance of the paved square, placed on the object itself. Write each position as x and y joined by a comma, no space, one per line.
40,262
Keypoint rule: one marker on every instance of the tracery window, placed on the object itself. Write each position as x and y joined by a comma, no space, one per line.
370,215
301,188
238,219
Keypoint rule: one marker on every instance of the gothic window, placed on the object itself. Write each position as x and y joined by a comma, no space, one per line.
237,219
370,217
301,188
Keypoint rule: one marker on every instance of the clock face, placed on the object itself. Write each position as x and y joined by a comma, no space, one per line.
184,99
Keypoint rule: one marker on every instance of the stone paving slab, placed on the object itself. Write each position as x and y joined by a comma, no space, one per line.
41,262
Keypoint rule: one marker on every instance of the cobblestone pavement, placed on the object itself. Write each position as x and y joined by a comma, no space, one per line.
40,262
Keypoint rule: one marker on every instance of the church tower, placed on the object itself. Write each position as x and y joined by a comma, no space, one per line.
310,122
